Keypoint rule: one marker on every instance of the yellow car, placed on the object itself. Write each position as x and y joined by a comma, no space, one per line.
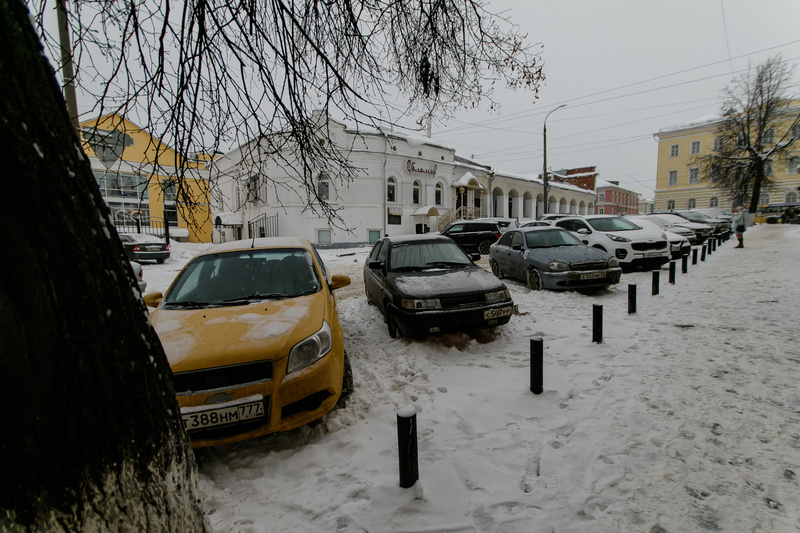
253,338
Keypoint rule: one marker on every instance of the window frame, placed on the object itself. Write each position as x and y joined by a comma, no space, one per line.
694,176
672,178
674,150
391,189
695,147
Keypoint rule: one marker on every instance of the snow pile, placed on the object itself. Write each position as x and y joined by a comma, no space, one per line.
685,418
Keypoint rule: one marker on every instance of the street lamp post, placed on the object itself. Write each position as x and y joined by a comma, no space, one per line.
544,167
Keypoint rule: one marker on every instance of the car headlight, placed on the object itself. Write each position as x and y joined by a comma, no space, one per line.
497,296
557,266
613,263
310,349
617,238
431,303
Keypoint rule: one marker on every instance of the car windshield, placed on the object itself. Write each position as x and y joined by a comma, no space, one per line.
238,278
424,255
612,224
550,238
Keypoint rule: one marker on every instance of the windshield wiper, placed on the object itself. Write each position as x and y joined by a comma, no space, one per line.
188,303
445,264
242,300
407,269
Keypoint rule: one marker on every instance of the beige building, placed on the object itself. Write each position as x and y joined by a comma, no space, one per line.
681,185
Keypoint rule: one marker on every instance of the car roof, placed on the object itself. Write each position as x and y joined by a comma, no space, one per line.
141,237
420,237
260,243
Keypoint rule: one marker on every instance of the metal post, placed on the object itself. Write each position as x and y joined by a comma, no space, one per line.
656,280
407,446
631,299
597,323
684,264
545,191
672,272
703,252
694,256
537,363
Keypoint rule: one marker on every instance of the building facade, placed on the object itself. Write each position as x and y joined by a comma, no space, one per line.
681,185
137,176
615,200
404,185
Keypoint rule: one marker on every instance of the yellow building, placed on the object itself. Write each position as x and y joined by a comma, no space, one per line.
681,185
137,177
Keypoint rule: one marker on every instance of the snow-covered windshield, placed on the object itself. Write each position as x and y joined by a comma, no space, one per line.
550,238
422,255
241,277
612,224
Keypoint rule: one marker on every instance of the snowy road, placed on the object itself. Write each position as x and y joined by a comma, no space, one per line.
685,418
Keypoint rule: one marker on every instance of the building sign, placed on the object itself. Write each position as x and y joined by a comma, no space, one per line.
412,168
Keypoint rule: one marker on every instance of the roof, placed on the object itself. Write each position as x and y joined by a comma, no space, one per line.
263,242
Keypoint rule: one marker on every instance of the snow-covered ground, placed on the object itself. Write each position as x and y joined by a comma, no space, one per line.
685,418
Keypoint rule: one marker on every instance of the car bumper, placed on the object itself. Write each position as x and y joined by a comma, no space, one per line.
586,279
423,323
149,256
285,402
645,262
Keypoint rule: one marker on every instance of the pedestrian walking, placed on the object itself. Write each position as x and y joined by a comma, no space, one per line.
739,223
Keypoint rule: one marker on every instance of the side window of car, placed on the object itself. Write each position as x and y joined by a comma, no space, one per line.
455,229
382,251
566,224
505,240
373,255
579,225
517,238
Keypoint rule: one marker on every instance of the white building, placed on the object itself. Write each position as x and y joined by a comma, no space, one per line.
405,184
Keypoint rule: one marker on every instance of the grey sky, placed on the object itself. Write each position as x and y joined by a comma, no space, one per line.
625,69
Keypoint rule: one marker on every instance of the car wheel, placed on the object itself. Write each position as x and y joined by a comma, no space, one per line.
160,261
496,269
391,323
369,300
483,248
534,279
347,383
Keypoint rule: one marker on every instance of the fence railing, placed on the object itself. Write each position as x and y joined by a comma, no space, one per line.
462,213
263,226
150,225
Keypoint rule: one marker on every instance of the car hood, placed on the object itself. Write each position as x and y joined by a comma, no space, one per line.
203,338
569,254
443,282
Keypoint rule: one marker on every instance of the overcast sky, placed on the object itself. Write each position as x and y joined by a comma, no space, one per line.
625,69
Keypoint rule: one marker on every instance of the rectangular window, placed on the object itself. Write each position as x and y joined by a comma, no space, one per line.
768,137
768,167
395,219
674,150
718,144
673,178
323,236
252,189
794,165
695,147
694,175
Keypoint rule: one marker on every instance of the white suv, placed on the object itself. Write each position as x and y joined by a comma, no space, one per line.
635,247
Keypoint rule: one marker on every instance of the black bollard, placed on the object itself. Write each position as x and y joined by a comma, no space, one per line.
631,299
694,256
407,446
714,244
684,264
672,272
710,246
537,362
703,252
656,279
597,323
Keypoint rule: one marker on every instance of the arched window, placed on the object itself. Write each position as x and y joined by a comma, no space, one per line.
692,203
439,194
791,198
415,192
764,199
391,190
323,187
671,205
714,202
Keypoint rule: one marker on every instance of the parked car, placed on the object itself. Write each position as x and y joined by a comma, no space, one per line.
144,247
139,275
668,221
253,338
473,235
720,226
678,237
553,216
426,284
504,224
552,258
537,223
635,247
682,231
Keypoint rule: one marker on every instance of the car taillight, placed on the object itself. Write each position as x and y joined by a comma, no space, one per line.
497,235
137,249
166,247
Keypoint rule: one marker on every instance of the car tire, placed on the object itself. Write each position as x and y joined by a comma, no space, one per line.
160,261
391,323
369,300
483,247
496,269
534,279
347,384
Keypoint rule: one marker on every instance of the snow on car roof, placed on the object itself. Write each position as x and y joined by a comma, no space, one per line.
263,242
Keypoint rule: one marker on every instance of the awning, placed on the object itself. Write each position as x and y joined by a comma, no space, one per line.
427,211
468,181
228,219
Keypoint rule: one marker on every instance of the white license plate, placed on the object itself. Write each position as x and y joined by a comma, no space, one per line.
497,313
153,248
593,275
224,415
653,254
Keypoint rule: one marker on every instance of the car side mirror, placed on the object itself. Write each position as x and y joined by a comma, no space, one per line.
517,247
375,265
474,257
153,299
584,231
585,242
338,281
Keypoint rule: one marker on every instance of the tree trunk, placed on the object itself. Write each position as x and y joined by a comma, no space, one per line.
92,436
759,179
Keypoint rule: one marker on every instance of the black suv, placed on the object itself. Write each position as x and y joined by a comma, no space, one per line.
473,235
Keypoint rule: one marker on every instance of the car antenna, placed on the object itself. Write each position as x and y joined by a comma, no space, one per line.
253,244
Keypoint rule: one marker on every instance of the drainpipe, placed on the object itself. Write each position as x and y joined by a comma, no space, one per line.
385,185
